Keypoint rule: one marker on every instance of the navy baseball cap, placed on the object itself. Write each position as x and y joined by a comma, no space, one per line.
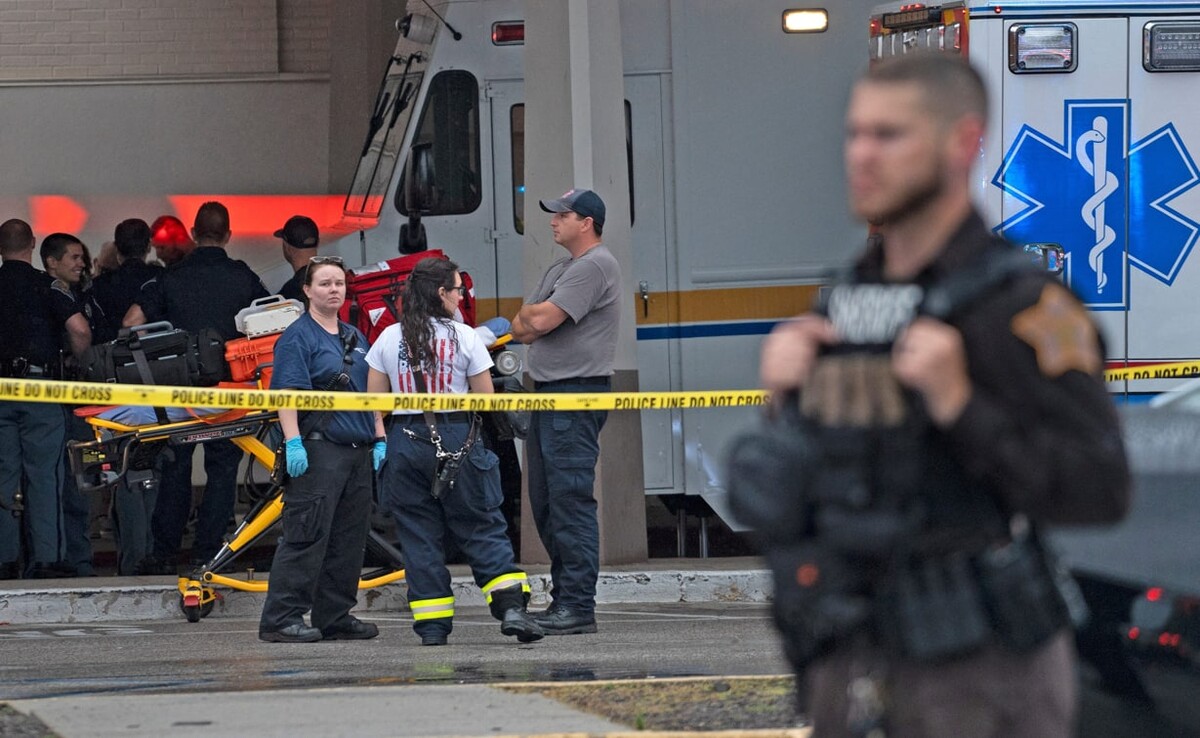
300,232
584,203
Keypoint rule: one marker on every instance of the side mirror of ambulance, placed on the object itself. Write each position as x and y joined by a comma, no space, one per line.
1049,256
420,193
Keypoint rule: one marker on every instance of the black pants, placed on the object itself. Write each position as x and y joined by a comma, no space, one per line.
326,518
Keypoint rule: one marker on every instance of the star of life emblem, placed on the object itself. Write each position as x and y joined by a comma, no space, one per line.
1105,201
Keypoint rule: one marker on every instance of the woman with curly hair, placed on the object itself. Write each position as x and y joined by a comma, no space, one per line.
438,478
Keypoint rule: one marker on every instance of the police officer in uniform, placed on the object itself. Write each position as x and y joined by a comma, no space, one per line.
32,326
115,291
204,290
65,258
941,431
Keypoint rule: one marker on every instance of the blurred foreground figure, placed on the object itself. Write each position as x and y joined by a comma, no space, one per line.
941,403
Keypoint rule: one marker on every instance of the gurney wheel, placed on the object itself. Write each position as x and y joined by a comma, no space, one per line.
195,607
191,612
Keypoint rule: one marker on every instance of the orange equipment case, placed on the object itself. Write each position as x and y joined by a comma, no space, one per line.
252,359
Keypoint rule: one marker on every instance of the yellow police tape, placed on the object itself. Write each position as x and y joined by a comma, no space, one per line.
90,393
1169,370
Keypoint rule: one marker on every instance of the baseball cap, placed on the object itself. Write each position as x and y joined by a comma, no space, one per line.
584,203
300,232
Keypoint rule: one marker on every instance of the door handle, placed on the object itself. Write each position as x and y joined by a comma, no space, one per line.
644,289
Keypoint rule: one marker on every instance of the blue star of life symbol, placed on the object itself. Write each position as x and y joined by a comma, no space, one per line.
1102,200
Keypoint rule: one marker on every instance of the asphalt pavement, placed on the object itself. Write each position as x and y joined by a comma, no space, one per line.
170,677
115,657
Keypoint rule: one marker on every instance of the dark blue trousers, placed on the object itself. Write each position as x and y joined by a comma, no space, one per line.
470,513
562,450
326,518
77,507
221,460
31,458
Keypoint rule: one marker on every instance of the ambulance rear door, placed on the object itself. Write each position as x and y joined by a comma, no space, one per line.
1094,155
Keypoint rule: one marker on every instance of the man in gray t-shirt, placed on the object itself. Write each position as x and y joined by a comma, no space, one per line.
570,323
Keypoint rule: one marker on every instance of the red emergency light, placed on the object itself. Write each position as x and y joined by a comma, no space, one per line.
508,33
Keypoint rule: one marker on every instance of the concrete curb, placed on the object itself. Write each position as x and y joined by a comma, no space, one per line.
157,598
766,733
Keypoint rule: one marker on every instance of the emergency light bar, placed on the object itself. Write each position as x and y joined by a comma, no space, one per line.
1042,48
915,18
1171,47
815,20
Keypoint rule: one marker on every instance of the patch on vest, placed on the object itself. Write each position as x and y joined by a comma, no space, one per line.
1060,332
858,389
872,313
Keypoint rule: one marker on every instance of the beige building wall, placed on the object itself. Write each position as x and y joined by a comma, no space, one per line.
119,104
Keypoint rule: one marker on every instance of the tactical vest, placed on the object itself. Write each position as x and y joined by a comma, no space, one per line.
866,518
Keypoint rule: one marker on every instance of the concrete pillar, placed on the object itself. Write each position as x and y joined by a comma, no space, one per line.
575,137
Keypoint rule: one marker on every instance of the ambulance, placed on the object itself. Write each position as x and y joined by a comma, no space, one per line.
1094,124
734,118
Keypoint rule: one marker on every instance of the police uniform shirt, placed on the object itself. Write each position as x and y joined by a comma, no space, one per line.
115,291
205,290
1040,432
307,356
31,320
84,301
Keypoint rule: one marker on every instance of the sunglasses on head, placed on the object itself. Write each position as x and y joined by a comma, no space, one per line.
318,260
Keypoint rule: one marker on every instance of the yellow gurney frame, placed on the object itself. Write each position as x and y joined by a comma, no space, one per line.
120,448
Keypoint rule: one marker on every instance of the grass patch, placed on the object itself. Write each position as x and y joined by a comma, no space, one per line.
717,703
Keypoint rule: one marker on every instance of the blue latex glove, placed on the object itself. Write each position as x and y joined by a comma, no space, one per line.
297,457
378,453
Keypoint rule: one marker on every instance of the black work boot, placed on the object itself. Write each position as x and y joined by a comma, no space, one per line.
508,606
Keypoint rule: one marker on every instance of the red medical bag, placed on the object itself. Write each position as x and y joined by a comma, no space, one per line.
373,293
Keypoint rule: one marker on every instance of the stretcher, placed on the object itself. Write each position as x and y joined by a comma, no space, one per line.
125,449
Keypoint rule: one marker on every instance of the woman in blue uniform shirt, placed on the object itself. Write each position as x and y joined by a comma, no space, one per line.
331,458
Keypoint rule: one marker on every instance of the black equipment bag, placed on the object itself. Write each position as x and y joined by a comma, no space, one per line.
158,353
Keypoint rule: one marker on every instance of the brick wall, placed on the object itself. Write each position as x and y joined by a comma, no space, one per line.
304,27
113,39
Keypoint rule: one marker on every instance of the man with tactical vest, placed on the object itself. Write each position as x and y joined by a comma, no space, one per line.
204,290
946,404
32,328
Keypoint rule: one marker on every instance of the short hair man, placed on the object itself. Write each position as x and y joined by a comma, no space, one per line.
116,290
32,326
300,239
570,322
205,290
65,257
1003,421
